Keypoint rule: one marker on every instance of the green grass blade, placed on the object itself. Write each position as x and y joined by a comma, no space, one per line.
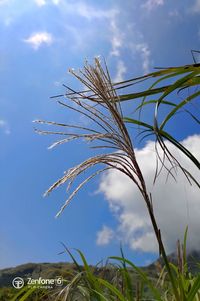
195,288
27,294
113,289
89,275
178,107
171,139
73,258
185,249
154,102
175,86
126,277
193,117
102,296
145,93
169,76
19,293
144,277
138,122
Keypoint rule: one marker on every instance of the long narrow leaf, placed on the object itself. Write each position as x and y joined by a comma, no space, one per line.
195,288
178,107
113,289
144,277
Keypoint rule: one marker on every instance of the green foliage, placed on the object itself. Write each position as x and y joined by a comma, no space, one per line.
120,280
185,79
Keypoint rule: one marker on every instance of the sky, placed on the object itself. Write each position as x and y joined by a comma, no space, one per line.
40,41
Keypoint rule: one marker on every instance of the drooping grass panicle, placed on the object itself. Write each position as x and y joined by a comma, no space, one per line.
102,108
106,114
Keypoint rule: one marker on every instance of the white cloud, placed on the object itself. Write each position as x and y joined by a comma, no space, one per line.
79,36
104,236
196,7
86,11
90,12
151,4
2,2
40,2
36,40
4,127
44,2
176,203
145,53
121,70
120,40
144,242
56,2
85,35
174,13
117,36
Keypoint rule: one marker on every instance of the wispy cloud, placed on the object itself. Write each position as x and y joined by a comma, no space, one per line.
117,36
40,2
121,70
120,34
176,204
36,40
174,13
91,14
56,2
85,10
151,4
45,2
4,126
2,2
104,236
196,7
145,53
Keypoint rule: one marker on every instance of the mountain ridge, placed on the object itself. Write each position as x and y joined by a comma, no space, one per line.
52,270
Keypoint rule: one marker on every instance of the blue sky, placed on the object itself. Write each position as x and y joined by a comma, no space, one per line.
40,40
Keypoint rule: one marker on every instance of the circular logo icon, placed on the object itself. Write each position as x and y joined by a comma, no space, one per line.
18,282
